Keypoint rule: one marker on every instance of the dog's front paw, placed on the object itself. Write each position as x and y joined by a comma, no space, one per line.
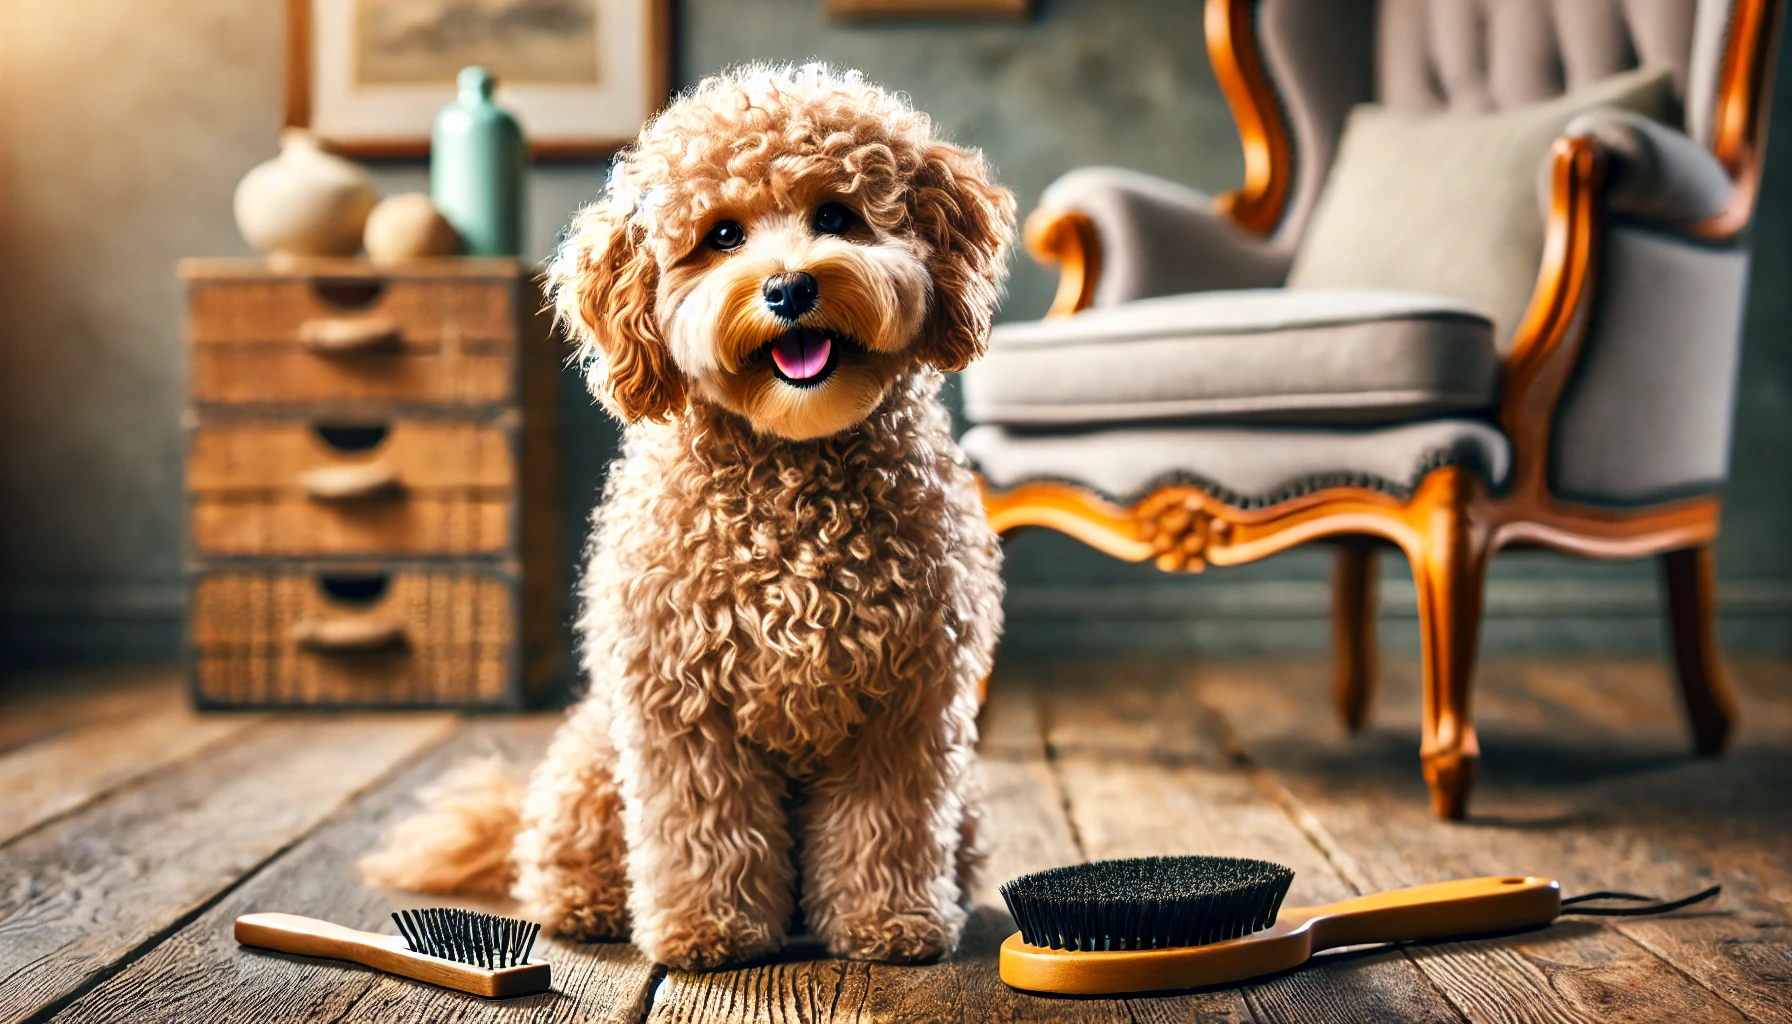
582,921
582,906
893,937
697,941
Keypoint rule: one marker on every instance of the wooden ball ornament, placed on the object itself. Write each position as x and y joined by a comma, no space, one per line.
408,227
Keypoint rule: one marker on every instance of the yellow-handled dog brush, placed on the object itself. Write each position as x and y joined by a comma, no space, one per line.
1154,923
483,954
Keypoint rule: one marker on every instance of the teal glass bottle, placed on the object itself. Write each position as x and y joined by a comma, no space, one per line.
478,168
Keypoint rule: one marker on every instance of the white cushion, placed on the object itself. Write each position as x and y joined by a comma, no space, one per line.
1264,355
1242,466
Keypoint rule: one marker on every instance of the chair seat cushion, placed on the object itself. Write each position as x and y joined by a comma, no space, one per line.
1247,467
1262,355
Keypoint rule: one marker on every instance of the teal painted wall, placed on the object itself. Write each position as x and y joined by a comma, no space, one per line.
105,181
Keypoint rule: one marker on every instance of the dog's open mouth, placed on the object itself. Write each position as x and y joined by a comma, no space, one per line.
804,357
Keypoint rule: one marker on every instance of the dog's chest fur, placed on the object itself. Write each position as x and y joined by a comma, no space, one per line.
798,590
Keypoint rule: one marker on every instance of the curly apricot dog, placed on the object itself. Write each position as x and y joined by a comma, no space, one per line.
792,592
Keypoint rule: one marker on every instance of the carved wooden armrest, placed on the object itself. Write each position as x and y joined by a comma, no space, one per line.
1068,239
1739,125
1258,204
1547,343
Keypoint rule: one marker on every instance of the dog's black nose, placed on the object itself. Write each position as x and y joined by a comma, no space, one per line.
791,295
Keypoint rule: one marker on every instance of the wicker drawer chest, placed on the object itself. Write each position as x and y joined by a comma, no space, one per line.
372,488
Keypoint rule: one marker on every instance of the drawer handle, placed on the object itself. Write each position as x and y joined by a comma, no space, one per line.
349,337
348,292
348,636
354,588
350,483
351,437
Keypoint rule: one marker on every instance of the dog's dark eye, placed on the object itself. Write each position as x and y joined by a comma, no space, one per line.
727,235
832,219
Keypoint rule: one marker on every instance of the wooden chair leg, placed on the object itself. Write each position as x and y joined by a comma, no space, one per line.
1450,573
1353,632
1691,579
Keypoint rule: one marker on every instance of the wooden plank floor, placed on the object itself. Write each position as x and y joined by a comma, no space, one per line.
133,831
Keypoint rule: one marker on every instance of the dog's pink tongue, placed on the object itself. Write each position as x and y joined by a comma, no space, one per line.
801,354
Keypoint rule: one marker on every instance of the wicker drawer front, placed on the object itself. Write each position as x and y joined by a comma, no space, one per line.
401,486
291,374
281,636
271,339
371,483
323,311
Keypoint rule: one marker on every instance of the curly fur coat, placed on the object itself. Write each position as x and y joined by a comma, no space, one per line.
792,594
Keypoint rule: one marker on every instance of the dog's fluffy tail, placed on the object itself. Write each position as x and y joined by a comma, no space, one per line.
460,842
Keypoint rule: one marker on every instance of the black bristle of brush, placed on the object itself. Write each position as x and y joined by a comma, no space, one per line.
468,937
1146,902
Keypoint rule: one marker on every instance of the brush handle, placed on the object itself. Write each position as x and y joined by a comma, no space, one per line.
307,936
1467,906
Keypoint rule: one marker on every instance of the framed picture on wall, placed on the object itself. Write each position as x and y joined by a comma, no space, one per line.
367,76
1016,10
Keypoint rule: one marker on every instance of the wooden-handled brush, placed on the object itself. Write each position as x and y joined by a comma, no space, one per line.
1156,923
483,954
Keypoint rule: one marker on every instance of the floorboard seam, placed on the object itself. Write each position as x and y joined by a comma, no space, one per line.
1054,766
349,1007
1290,805
839,986
1315,833
1346,866
656,985
134,782
54,732
150,942
60,730
1677,969
1252,1003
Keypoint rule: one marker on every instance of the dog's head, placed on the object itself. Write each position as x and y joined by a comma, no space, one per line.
785,243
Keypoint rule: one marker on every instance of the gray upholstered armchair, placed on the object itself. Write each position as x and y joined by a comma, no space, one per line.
1222,380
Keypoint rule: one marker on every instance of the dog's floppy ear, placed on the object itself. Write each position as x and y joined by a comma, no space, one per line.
603,280
968,222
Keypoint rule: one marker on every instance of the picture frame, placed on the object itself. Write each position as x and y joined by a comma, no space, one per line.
923,10
367,76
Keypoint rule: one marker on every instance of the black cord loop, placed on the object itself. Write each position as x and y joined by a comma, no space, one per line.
1652,908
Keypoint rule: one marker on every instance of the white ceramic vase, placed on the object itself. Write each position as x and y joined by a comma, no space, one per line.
304,202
